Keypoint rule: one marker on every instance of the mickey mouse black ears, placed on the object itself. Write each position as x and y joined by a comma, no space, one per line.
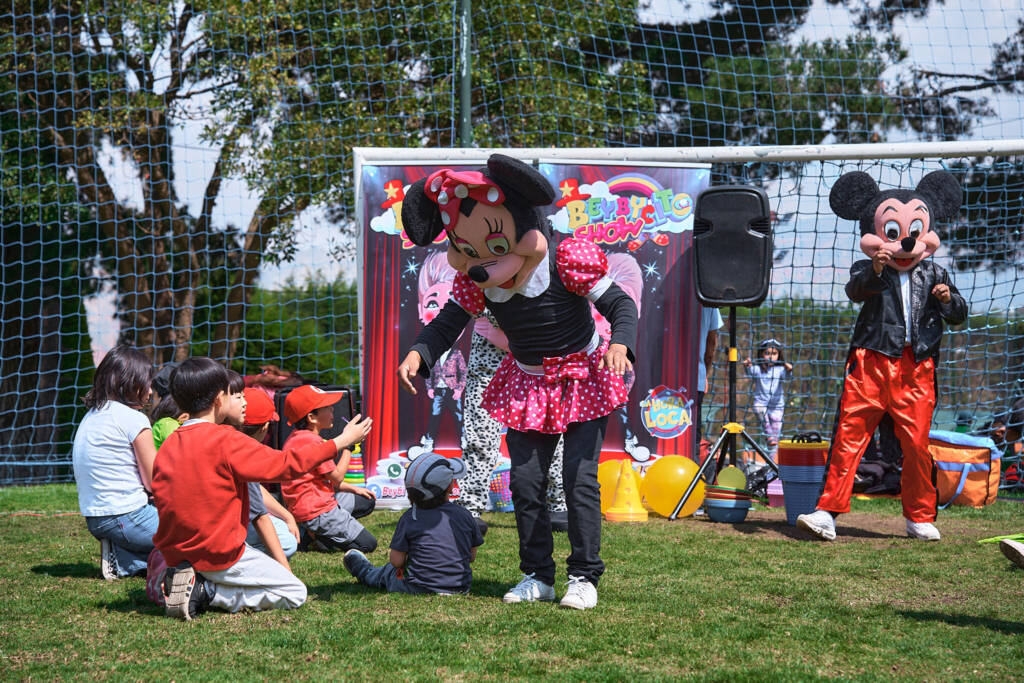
855,195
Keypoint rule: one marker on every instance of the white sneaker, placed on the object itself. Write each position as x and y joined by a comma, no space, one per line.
821,523
530,589
581,594
108,560
1014,551
925,531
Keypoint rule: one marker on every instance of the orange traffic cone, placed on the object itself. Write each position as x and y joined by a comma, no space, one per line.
627,506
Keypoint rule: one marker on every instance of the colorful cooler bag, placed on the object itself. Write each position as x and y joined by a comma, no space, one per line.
967,468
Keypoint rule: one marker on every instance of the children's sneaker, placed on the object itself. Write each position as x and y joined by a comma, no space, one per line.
821,523
925,531
185,593
530,589
108,560
1014,551
581,594
356,563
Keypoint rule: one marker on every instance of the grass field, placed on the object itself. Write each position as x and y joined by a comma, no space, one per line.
685,599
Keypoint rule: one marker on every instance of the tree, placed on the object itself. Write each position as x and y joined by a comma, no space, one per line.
44,345
284,89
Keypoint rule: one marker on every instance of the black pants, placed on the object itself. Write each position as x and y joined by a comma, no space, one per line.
531,453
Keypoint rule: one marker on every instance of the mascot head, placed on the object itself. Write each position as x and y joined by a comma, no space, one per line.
901,222
496,233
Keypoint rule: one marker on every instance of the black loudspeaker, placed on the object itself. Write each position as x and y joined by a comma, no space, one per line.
732,246
343,412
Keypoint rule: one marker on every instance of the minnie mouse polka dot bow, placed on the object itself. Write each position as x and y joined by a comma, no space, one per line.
447,189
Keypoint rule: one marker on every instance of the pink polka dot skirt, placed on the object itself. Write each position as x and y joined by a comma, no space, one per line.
571,390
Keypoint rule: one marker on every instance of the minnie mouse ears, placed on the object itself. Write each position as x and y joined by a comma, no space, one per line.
855,195
526,181
521,183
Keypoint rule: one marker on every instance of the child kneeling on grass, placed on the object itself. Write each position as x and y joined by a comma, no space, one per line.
435,540
320,500
200,488
272,528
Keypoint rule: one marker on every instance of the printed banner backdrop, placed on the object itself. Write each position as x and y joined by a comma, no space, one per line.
640,215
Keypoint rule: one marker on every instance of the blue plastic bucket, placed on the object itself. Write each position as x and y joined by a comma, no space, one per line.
801,488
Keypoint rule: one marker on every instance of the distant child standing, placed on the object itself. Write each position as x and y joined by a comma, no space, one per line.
435,541
768,373
200,485
112,459
322,503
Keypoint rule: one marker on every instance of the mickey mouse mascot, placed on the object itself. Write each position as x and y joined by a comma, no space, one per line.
560,376
895,346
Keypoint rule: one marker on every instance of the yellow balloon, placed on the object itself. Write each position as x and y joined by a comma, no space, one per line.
665,483
608,480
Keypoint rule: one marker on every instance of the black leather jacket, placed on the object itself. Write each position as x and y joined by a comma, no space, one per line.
880,325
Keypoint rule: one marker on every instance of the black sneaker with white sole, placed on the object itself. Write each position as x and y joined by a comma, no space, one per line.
185,593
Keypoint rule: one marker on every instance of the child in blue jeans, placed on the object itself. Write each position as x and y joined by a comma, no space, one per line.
435,540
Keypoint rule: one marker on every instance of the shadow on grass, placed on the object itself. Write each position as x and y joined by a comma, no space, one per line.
76,569
135,600
325,593
1008,627
783,528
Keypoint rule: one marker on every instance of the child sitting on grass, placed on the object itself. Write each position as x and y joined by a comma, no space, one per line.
272,528
166,416
200,488
435,541
322,503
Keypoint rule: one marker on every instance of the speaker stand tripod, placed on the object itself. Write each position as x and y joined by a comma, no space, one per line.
725,446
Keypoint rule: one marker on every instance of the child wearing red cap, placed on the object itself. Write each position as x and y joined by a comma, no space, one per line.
200,479
322,503
272,528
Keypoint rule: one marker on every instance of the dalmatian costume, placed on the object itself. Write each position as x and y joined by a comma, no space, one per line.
481,434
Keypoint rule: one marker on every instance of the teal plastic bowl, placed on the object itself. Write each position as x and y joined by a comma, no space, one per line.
733,512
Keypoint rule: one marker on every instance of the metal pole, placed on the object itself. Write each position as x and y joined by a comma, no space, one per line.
733,357
465,74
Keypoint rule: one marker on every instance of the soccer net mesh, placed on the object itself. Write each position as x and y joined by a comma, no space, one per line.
179,175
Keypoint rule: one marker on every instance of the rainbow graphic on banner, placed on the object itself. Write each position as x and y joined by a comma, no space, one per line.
631,208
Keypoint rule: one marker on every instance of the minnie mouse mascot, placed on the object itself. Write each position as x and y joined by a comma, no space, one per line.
559,378
895,346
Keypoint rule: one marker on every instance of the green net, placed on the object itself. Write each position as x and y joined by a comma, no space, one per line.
179,175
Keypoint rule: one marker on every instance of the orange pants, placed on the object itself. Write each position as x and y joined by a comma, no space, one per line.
877,384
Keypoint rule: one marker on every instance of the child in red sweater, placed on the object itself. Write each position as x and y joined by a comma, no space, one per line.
322,503
200,489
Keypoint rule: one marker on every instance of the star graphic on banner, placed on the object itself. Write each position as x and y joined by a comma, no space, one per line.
393,189
411,268
651,269
567,188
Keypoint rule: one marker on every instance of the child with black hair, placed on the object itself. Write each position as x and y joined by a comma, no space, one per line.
200,486
166,416
768,373
322,503
272,528
435,541
112,459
